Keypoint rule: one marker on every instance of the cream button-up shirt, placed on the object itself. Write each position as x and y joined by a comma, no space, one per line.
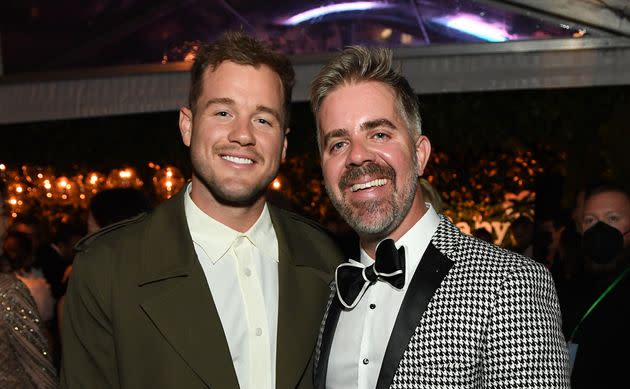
362,334
242,273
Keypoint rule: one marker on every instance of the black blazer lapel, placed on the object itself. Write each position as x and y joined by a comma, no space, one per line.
328,334
428,276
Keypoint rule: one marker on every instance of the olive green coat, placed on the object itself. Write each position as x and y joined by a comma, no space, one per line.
139,312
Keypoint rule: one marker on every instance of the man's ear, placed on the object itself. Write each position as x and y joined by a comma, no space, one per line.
423,151
285,143
185,124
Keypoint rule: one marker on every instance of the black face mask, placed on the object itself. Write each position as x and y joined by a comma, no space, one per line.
602,243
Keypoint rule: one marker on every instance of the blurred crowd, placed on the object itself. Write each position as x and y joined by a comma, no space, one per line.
35,266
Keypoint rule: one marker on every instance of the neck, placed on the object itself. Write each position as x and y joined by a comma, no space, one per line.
239,217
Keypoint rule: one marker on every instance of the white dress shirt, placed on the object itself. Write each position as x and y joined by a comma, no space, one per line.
244,289
362,333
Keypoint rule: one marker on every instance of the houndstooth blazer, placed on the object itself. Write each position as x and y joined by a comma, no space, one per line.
474,316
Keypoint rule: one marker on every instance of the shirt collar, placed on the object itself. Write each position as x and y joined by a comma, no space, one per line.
415,241
215,238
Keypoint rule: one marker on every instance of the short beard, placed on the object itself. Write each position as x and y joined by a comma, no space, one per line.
224,196
392,211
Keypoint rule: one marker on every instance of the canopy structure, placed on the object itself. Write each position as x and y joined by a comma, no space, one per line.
77,59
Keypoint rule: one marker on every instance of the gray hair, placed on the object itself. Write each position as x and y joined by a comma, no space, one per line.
356,64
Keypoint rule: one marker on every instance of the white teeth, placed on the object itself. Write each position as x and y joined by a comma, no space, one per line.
379,182
238,160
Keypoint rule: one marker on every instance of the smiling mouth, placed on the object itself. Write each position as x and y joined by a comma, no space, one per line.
369,184
237,160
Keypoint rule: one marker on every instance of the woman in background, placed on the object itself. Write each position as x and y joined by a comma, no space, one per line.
25,360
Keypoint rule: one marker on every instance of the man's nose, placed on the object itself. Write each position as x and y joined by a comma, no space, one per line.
242,133
359,154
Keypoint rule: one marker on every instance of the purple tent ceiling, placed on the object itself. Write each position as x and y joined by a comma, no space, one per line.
44,35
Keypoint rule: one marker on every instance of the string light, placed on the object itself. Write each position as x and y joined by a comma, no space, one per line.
496,187
167,181
40,187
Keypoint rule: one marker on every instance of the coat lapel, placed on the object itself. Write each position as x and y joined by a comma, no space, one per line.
303,292
427,278
190,323
177,298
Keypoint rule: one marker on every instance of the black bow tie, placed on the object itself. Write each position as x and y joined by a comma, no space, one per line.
353,279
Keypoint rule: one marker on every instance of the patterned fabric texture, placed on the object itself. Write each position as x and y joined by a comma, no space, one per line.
494,322
318,346
24,358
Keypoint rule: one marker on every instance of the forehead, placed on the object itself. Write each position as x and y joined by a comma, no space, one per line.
259,78
353,103
607,202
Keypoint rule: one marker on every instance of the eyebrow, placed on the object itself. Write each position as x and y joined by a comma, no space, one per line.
366,126
271,111
338,133
259,108
372,124
219,100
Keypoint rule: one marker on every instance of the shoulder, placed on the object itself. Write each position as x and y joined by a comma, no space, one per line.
307,241
111,233
98,254
510,276
498,257
16,300
298,223
6,281
486,261
11,286
459,247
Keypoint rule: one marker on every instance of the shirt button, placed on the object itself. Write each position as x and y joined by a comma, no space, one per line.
372,306
258,331
248,272
366,361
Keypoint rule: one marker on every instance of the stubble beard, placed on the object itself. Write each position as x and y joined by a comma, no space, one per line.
379,217
225,194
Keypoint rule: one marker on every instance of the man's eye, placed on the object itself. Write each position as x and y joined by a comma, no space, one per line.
613,218
381,135
264,121
337,146
222,113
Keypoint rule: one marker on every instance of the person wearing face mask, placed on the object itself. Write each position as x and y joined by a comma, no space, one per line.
600,334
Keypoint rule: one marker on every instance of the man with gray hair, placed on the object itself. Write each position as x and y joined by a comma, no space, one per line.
425,306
